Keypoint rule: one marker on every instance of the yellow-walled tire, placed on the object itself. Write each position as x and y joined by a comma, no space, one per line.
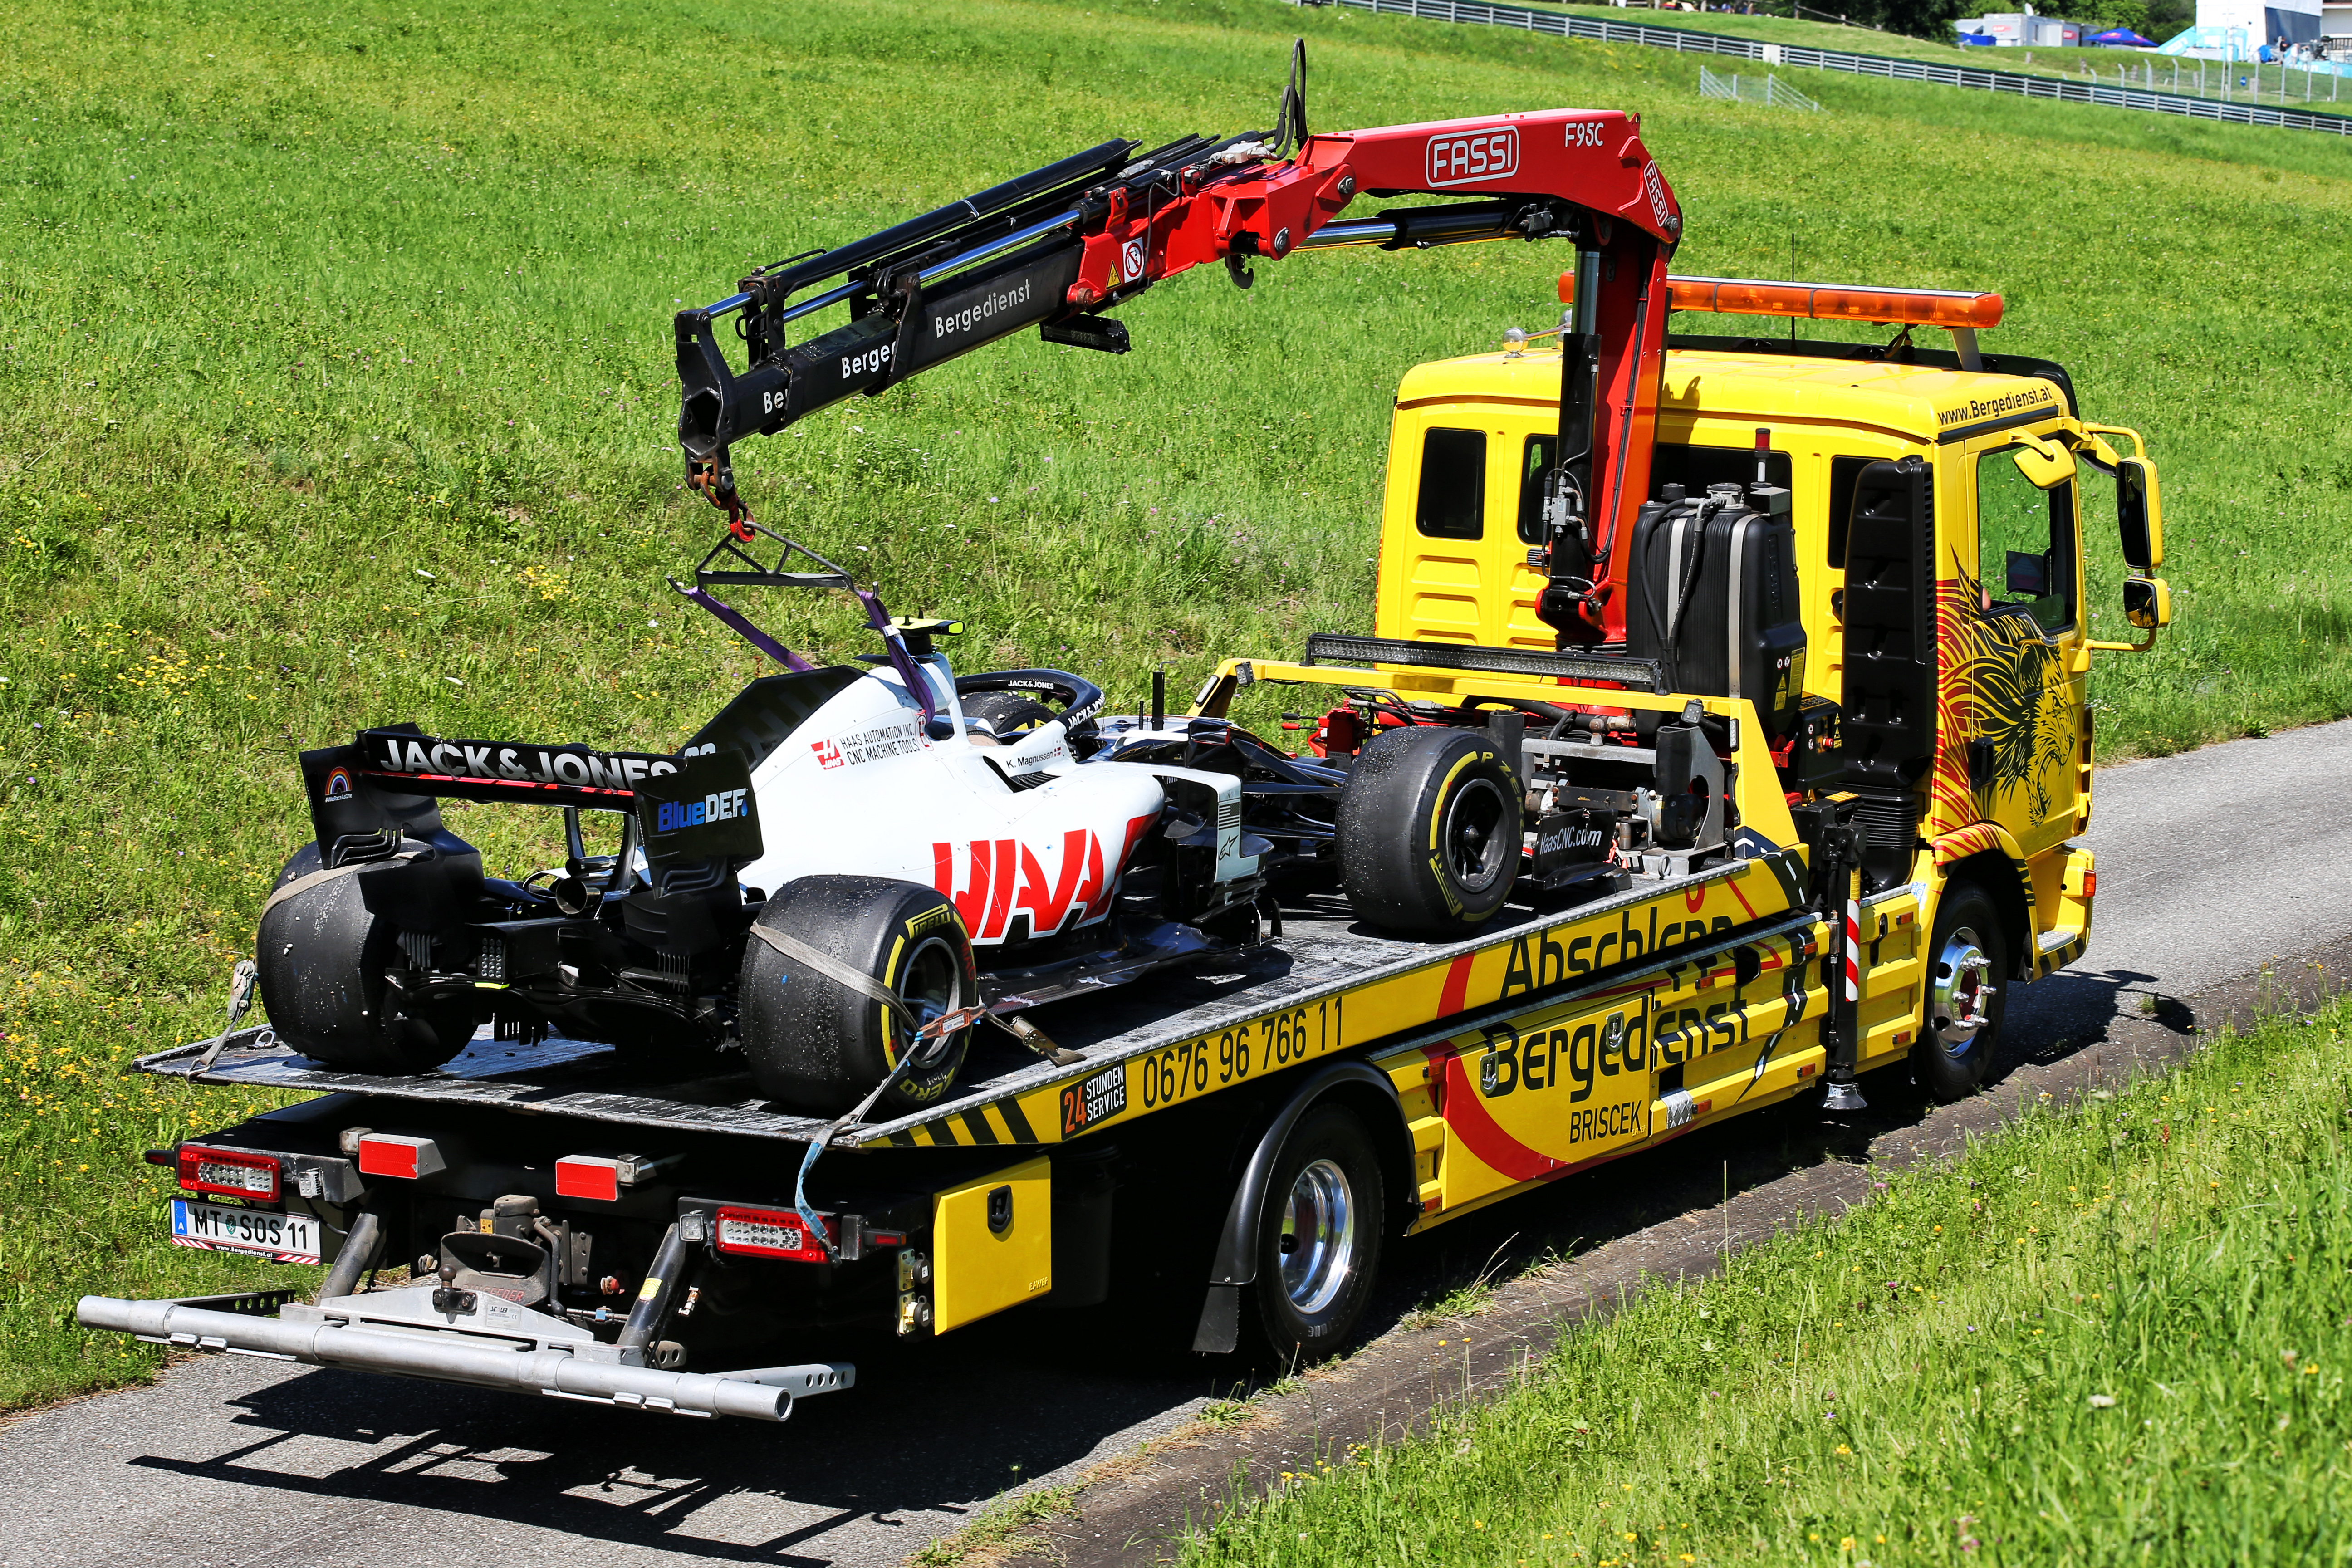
1429,832
818,1046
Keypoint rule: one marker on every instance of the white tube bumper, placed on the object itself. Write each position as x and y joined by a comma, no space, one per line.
342,1335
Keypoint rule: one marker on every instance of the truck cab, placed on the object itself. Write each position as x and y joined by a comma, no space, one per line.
1961,601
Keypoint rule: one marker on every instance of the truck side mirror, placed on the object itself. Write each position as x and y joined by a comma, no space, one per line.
2148,603
2138,516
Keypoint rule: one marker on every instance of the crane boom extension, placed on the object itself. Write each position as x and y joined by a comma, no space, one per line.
1057,247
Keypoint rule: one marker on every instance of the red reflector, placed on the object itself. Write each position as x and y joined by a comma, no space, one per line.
593,1177
768,1233
230,1171
2090,884
392,1154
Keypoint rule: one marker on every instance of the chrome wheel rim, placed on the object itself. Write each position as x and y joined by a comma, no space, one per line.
1318,1237
1961,1002
1474,844
931,984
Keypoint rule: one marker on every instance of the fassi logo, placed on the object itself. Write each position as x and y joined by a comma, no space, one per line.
1003,876
1468,157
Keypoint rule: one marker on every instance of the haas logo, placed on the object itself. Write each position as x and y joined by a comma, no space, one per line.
828,753
1005,881
1468,157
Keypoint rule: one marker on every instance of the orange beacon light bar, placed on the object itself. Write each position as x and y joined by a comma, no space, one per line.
1759,297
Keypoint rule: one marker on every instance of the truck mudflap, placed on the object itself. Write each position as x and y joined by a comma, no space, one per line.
496,1344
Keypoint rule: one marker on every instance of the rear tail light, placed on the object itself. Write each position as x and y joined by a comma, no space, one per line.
769,1233
394,1154
230,1171
2090,884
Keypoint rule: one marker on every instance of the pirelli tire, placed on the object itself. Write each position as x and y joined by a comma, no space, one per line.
1319,1237
322,959
818,1046
1429,831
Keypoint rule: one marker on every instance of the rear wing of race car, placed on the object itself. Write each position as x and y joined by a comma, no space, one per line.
685,812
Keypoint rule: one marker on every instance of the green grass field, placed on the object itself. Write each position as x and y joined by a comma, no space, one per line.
2111,1334
335,390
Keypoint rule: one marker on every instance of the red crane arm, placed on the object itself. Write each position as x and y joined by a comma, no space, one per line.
1059,247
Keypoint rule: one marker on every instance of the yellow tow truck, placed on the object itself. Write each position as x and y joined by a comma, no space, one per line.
1746,680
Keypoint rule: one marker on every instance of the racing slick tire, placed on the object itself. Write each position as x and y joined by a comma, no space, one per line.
818,1046
1966,994
1008,712
1429,831
322,957
1318,1241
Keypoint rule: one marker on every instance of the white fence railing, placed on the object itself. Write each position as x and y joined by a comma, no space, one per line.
1766,90
2146,101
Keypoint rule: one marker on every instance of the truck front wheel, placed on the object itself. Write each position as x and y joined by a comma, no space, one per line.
1319,1233
1965,1000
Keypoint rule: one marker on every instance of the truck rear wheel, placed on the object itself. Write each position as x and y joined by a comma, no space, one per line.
1319,1235
1429,831
322,957
1965,1000
818,1046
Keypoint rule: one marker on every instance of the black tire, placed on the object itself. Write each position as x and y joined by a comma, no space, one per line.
322,957
1321,1231
1967,993
1429,831
818,1047
1008,712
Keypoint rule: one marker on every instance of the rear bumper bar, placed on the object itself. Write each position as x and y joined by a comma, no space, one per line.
384,1332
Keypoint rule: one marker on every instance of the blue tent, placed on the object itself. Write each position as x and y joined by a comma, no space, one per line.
2121,39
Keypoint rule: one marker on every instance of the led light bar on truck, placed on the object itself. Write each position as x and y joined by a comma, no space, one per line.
1824,302
1908,307
1543,664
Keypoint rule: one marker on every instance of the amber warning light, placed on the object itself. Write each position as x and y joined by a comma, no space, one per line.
1824,302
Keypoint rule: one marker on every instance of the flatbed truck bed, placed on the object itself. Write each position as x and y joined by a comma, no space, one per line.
1476,1069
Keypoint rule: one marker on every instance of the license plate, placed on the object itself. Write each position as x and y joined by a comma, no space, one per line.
282,1238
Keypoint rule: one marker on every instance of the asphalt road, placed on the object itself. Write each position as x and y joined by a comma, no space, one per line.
2211,869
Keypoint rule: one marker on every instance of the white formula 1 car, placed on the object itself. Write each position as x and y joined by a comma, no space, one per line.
843,873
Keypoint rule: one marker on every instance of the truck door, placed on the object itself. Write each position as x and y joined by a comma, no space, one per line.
2011,632
1463,508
